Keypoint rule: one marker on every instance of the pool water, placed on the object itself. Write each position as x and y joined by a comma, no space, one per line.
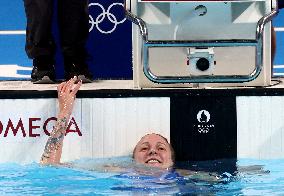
90,177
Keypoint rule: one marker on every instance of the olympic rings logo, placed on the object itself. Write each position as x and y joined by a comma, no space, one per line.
106,14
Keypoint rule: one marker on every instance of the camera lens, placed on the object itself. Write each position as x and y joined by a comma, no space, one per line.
202,64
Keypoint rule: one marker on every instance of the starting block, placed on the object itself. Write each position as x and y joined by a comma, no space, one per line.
201,43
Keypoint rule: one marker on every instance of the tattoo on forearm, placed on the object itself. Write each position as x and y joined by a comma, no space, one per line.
55,140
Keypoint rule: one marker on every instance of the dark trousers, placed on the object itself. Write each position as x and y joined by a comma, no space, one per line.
73,24
281,4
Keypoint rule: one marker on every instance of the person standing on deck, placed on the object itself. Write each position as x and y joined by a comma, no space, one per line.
73,23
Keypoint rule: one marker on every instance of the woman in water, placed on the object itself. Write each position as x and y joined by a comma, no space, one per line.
152,150
153,155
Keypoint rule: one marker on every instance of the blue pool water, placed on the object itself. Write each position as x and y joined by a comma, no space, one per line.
89,177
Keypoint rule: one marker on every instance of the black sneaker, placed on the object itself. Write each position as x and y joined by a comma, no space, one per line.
79,69
43,71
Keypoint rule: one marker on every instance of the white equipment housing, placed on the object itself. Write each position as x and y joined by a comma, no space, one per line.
201,43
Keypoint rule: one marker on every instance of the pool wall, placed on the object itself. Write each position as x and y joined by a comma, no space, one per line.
201,123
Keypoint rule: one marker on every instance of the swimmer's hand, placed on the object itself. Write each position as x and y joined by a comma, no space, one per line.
66,96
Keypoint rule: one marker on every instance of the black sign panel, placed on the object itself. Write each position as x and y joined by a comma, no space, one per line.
204,127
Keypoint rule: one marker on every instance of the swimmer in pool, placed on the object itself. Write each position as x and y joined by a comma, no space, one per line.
152,150
153,155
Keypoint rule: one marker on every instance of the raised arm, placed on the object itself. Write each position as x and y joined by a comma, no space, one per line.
66,97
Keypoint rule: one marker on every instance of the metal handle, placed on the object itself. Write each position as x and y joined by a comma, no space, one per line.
257,43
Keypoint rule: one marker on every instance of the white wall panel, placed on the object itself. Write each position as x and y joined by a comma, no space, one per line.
112,126
260,127
109,127
19,148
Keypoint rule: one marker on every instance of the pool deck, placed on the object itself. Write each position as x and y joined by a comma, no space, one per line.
96,85
108,84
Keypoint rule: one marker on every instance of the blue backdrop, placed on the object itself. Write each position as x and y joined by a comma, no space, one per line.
109,42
